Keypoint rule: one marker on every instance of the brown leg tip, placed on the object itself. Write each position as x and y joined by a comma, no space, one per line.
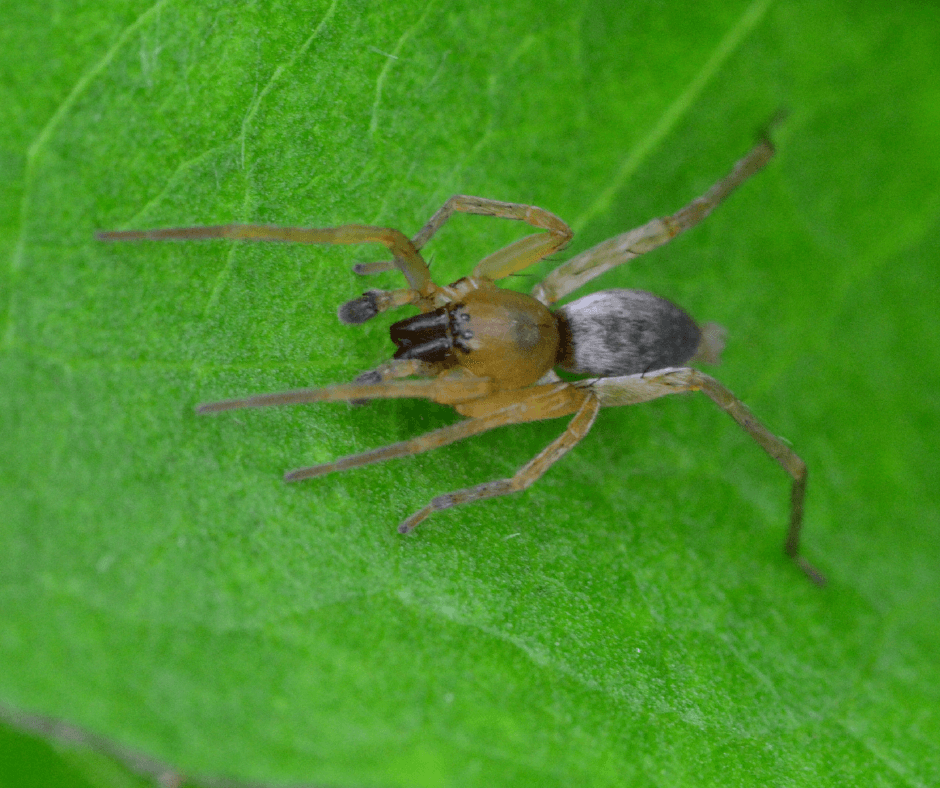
409,524
815,576
299,474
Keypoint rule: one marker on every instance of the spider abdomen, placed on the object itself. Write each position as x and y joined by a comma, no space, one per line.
624,332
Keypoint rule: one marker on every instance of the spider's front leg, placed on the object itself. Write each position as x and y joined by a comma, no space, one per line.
451,387
513,258
358,310
409,262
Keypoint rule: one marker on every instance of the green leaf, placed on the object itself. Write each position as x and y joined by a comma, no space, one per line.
629,620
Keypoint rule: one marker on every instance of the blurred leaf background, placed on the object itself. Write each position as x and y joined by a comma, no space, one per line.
630,620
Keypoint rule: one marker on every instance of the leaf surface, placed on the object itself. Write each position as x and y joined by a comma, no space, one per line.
629,620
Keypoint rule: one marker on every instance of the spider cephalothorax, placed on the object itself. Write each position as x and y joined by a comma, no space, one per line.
490,352
491,332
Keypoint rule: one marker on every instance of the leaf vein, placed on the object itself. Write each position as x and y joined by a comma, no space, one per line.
675,111
261,95
387,66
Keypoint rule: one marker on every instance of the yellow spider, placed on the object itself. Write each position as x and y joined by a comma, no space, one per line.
490,353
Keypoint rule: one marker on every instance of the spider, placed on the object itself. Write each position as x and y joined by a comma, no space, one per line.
490,353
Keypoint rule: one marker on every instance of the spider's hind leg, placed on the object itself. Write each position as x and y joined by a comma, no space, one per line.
625,247
632,389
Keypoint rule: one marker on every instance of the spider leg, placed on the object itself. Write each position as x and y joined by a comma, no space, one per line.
631,389
407,258
452,387
422,443
531,472
625,247
516,256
